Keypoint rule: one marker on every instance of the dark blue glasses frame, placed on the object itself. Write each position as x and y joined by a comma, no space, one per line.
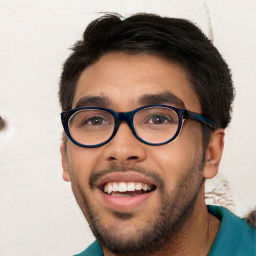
128,117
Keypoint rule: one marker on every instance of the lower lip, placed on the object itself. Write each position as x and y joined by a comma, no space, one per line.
125,203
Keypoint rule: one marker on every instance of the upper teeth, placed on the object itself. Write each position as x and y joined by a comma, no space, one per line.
125,186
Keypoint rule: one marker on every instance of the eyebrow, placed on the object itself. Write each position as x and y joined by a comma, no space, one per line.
90,101
165,97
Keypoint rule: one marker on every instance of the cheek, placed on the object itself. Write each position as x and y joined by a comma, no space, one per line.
176,159
82,160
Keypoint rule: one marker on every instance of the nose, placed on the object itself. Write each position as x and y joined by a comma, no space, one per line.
124,147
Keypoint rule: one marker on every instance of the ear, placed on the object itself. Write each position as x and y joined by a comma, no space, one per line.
65,173
214,153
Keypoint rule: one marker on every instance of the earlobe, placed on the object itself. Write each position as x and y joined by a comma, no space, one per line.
65,173
214,153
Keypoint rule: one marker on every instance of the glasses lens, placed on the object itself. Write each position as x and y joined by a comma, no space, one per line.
91,126
156,125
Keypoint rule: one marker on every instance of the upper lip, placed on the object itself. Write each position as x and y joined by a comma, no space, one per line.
124,177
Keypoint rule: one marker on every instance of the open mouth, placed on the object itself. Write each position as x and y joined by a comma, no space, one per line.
127,189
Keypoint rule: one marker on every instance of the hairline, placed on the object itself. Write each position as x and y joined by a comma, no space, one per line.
154,53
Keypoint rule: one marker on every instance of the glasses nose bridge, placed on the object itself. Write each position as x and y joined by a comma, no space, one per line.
125,117
128,118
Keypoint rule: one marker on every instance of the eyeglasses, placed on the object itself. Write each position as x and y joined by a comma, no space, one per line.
153,125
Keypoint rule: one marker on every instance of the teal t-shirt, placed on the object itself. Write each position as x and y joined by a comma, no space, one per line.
235,237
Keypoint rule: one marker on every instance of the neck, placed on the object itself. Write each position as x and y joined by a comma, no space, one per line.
197,235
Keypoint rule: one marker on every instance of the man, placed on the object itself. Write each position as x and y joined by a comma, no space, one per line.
145,103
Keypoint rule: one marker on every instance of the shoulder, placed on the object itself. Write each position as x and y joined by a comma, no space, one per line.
235,237
93,250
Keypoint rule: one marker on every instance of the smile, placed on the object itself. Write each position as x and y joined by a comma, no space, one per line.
127,189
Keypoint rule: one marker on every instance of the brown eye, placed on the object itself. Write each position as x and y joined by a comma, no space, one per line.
160,119
96,120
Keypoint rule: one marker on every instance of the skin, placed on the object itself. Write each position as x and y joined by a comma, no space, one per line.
124,79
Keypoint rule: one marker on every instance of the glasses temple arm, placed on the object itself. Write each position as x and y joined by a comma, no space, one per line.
200,118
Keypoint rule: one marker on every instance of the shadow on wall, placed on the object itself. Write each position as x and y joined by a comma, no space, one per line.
2,123
217,192
251,218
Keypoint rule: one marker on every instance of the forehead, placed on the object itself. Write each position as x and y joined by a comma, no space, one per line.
124,82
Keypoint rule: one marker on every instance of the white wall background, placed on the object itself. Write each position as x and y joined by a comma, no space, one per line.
38,214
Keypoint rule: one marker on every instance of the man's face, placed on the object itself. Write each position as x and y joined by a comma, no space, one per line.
136,221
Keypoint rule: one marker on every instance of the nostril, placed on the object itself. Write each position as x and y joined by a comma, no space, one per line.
132,158
112,158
